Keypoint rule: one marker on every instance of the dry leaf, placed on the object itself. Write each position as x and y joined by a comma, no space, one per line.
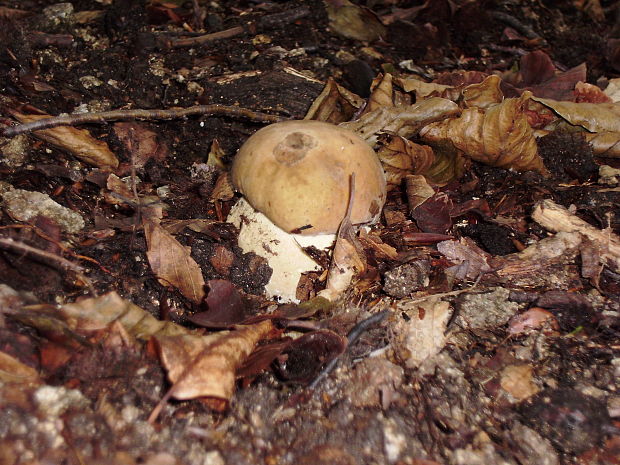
418,190
401,157
485,94
517,381
335,104
171,262
465,251
589,93
595,117
14,371
98,313
77,142
499,136
404,121
205,366
141,143
381,95
354,22
423,335
421,88
604,144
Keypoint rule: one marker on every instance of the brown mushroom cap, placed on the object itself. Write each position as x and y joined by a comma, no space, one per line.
297,174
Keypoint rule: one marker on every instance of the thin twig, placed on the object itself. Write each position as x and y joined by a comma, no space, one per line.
352,337
139,114
11,244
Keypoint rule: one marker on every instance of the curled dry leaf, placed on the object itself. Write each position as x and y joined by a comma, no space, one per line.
484,94
77,142
171,262
401,157
404,121
205,366
382,91
421,88
595,117
418,191
335,104
499,136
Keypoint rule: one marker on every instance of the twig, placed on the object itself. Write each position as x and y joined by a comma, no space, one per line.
139,114
11,244
513,22
352,338
266,22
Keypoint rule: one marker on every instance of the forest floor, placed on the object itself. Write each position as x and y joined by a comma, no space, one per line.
482,325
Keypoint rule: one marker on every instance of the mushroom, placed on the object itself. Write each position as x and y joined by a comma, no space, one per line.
295,176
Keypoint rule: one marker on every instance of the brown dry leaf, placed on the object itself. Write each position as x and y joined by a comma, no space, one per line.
141,143
205,366
450,164
517,381
216,155
353,21
335,104
485,94
418,190
499,136
422,336
381,95
401,157
14,371
98,313
473,259
604,144
223,189
595,117
404,121
171,262
421,88
77,142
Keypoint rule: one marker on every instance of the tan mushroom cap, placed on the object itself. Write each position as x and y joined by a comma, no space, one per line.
297,174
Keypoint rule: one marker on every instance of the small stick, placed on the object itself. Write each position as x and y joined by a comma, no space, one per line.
138,114
11,244
352,337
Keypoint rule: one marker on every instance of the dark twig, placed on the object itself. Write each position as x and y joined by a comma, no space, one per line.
129,115
513,22
352,338
266,22
11,244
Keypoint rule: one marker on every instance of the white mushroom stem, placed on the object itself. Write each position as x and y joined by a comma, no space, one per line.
282,250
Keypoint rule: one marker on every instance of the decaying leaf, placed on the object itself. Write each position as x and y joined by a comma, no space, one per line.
604,144
381,95
517,380
423,335
485,94
404,121
98,313
499,136
171,262
141,143
14,371
205,366
77,142
226,307
595,117
472,260
418,191
401,157
421,88
354,22
335,104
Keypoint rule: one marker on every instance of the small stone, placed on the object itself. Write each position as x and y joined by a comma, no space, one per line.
405,279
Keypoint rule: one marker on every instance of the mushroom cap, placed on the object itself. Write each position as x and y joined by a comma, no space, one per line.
297,174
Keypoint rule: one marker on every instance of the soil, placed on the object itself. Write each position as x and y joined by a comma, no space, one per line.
495,394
